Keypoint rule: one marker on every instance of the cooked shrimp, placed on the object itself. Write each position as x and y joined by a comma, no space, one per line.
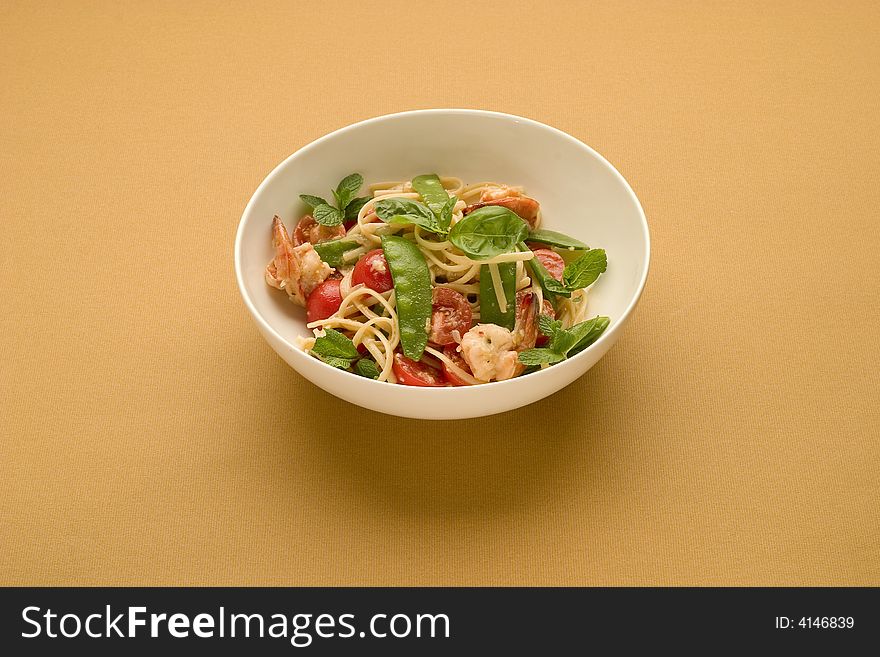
511,198
498,192
489,351
525,330
296,270
309,230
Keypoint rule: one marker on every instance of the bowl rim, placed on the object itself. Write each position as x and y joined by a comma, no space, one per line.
609,335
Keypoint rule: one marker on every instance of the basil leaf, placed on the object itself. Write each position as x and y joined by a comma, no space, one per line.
585,270
368,368
539,356
407,211
334,344
312,201
549,284
431,190
488,232
597,328
445,216
327,215
346,189
332,252
552,238
354,207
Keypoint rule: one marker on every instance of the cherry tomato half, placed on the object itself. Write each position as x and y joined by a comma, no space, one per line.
309,230
451,352
546,309
324,300
372,270
413,373
552,261
450,312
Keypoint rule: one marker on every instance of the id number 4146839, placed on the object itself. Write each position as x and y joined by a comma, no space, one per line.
815,623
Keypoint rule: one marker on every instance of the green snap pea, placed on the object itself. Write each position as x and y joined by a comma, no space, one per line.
490,313
412,288
559,240
332,252
431,190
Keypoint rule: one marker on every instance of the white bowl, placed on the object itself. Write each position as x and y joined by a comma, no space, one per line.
580,193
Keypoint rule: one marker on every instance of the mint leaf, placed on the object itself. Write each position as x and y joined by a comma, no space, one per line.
407,211
335,345
354,207
335,361
312,201
548,326
346,189
327,215
539,356
563,343
368,368
585,270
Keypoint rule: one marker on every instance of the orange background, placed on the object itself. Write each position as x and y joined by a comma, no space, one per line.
150,436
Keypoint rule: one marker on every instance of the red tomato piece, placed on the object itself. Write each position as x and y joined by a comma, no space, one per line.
451,312
324,300
412,373
546,309
372,270
309,230
451,352
552,261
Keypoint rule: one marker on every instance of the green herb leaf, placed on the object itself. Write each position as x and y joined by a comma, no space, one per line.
327,215
597,328
368,368
335,346
335,361
313,201
407,211
445,216
539,356
346,189
585,270
549,284
354,207
564,343
548,326
488,231
332,252
552,238
432,192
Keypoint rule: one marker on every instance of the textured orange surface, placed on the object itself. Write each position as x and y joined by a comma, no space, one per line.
150,436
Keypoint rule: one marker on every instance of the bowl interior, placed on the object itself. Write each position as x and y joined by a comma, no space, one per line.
579,192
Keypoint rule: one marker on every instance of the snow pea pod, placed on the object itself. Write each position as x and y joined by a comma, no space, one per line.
559,240
412,289
431,190
331,252
490,312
